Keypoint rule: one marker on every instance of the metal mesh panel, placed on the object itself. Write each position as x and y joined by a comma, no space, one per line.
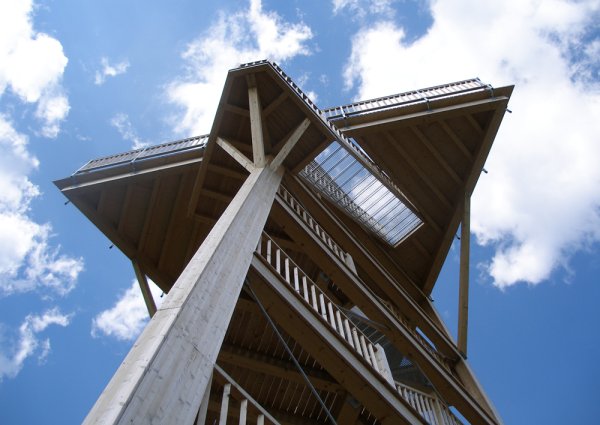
338,176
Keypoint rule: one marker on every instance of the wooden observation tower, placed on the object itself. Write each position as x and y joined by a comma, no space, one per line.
298,248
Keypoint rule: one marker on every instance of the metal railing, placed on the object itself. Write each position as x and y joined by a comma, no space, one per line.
164,149
403,99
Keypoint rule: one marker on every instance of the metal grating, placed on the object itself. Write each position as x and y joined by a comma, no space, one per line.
339,177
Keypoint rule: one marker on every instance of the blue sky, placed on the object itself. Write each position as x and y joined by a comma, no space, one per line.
84,79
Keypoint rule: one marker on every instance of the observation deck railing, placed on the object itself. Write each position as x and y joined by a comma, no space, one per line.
154,151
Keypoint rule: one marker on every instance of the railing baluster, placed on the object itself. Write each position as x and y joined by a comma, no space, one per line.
296,280
323,309
305,289
286,266
348,333
340,324
224,404
356,341
314,298
363,345
331,316
374,362
243,411
278,260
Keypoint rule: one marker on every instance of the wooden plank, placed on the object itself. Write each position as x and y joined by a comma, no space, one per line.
256,125
166,373
422,175
145,288
290,143
456,140
236,154
463,293
436,153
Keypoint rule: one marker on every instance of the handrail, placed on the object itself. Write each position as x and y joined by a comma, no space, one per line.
144,153
318,301
431,408
231,389
338,252
403,99
312,224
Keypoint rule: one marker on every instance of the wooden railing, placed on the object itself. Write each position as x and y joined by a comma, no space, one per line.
248,407
311,223
431,408
322,305
339,252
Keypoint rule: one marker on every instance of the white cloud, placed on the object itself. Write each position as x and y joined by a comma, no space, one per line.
28,342
126,319
121,122
540,202
27,260
32,65
246,36
109,70
359,9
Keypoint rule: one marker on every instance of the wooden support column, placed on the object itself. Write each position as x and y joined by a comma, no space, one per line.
256,128
165,375
463,292
145,288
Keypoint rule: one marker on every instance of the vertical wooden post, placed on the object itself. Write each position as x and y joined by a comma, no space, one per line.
201,418
145,288
166,373
256,128
463,292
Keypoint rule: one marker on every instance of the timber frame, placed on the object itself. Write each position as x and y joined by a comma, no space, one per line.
234,233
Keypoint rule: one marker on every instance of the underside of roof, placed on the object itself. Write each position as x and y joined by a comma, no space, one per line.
395,170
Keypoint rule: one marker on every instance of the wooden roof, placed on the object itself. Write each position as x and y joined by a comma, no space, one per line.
158,209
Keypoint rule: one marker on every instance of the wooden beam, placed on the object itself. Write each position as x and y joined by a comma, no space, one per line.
419,171
463,294
227,172
217,195
275,367
236,154
325,345
148,217
256,123
312,155
456,140
145,288
174,218
125,208
470,181
441,160
165,375
290,143
274,104
236,110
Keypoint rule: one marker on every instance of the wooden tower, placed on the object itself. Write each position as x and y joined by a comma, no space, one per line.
298,248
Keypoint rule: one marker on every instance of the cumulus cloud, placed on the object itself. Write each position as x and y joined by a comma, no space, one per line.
32,65
126,319
540,202
361,8
109,70
28,343
27,259
234,39
123,125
